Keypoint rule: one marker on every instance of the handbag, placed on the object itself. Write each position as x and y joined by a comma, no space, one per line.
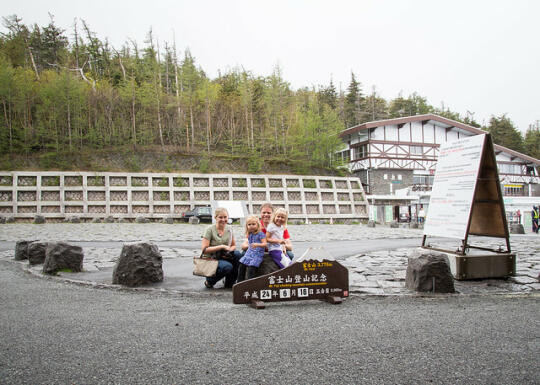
204,266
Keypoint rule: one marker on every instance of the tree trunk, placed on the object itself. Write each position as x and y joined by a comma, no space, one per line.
8,123
192,126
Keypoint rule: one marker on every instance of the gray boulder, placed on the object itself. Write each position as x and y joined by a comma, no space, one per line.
139,264
60,255
371,224
10,220
194,221
74,220
109,219
39,219
96,220
37,252
21,250
267,265
394,225
168,220
414,225
517,228
429,272
2,220
142,220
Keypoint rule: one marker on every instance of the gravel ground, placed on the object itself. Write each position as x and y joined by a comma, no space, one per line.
58,333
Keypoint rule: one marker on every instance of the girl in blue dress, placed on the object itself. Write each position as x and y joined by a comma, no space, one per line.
255,252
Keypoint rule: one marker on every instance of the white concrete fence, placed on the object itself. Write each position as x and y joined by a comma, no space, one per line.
160,195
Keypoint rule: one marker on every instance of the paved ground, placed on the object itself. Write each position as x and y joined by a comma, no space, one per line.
58,333
376,257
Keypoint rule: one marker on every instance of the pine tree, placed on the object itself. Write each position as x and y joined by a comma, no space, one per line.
531,143
504,133
353,101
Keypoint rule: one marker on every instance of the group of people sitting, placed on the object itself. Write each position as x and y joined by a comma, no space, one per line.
267,246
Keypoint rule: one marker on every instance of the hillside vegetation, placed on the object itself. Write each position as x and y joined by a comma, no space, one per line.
69,100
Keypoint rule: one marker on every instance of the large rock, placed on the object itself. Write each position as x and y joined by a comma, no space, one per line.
371,224
429,272
194,220
139,264
517,228
109,219
394,224
267,266
168,220
142,220
2,220
21,250
39,219
10,220
60,256
37,252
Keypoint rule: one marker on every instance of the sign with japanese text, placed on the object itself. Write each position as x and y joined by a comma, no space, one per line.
306,279
453,187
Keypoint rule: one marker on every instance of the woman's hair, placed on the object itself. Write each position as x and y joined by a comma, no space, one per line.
253,218
267,204
280,211
220,210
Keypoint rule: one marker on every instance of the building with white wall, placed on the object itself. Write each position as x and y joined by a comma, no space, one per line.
395,159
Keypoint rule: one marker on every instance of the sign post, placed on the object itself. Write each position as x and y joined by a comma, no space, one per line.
466,199
312,276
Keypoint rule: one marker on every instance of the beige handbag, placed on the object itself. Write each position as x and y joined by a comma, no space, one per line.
204,266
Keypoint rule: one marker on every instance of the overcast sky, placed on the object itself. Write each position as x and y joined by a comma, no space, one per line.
477,56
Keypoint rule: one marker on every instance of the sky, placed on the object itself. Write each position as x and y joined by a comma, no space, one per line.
479,57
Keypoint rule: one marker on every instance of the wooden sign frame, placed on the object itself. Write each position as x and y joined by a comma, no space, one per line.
487,215
308,278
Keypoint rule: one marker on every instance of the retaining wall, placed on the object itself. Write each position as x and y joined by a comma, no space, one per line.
153,195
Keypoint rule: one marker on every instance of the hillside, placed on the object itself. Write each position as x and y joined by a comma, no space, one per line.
157,159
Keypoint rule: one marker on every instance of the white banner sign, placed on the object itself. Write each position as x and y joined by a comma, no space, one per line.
451,200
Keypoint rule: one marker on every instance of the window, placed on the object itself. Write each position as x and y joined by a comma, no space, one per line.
360,152
513,190
416,150
399,177
385,177
423,179
362,136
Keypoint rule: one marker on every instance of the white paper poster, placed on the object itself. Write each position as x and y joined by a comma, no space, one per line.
453,187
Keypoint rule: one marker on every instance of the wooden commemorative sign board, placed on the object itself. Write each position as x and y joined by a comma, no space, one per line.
305,279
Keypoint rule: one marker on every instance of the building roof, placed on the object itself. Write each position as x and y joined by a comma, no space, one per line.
444,122
416,118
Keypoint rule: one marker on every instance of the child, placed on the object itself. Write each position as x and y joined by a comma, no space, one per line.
274,237
255,252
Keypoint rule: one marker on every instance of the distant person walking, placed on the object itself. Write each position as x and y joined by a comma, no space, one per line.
421,215
535,223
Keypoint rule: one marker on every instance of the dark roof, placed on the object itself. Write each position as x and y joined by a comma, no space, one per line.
436,118
407,119
516,154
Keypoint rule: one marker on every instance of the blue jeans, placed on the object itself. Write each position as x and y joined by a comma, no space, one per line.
227,270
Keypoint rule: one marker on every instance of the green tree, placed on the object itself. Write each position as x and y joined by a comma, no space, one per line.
504,133
412,105
353,102
531,143
328,95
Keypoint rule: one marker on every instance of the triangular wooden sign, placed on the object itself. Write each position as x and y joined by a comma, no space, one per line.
466,197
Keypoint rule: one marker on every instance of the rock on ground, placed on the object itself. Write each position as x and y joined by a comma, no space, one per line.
60,255
21,250
139,264
429,272
37,252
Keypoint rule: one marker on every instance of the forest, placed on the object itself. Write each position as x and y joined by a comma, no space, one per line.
66,96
